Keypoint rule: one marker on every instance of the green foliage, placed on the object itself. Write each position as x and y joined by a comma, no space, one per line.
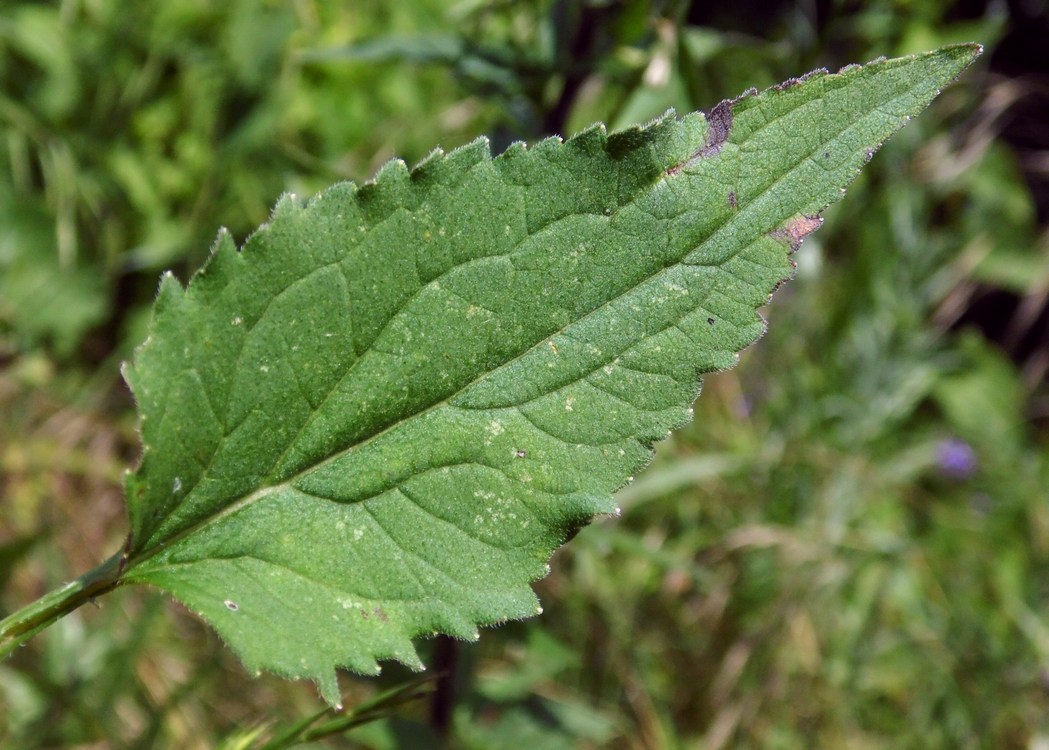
130,135
40,297
379,418
797,567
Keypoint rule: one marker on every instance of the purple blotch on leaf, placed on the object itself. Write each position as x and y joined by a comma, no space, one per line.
719,124
797,229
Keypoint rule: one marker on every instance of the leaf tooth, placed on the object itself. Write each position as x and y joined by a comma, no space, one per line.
362,663
517,148
465,156
169,295
670,114
223,240
127,371
328,686
410,658
591,139
220,266
455,624
436,154
287,204
385,191
439,165
394,169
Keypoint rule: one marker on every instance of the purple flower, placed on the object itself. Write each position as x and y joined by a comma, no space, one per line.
956,458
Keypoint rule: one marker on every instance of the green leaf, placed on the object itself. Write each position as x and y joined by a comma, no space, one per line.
379,417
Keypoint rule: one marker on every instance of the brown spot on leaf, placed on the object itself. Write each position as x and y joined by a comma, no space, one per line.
381,614
719,125
787,84
732,200
792,82
797,229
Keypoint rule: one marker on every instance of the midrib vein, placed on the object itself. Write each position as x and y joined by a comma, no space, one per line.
739,216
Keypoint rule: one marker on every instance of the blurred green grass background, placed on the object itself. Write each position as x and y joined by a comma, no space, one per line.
849,547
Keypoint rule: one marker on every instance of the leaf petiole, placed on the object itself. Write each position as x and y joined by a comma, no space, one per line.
19,627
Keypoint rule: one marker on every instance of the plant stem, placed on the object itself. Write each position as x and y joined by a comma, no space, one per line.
19,627
376,708
446,656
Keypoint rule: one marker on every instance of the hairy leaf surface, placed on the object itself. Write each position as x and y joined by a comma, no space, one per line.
379,417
